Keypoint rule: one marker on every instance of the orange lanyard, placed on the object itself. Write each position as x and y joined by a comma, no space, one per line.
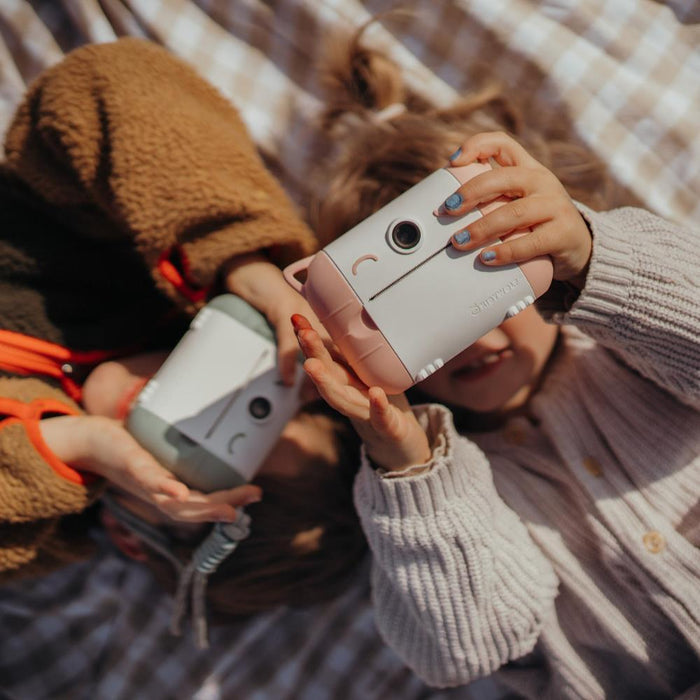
23,354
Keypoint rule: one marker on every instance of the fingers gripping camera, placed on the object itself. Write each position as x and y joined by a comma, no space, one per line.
217,406
399,300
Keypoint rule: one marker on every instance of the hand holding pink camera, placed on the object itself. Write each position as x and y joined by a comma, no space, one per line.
538,202
392,436
548,227
399,299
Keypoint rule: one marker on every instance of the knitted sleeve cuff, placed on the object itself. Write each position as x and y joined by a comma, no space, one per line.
610,276
640,298
423,489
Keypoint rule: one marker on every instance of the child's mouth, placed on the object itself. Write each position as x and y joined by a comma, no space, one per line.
482,366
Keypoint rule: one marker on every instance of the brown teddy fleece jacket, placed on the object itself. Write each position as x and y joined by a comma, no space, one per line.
128,183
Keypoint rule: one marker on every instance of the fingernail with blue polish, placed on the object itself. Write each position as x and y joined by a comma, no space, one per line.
488,256
455,154
462,237
453,201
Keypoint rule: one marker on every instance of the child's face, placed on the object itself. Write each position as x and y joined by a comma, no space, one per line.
500,371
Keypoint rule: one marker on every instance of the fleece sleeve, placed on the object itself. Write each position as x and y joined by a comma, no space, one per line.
36,488
641,298
128,140
459,587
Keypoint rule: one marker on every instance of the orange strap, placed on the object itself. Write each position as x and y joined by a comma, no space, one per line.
13,408
180,279
23,354
29,415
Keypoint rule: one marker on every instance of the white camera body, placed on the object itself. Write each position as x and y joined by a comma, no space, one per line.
217,406
399,300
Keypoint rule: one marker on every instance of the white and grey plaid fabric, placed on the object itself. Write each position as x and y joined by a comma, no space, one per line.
621,75
99,631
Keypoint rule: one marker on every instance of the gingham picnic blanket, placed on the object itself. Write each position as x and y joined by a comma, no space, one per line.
99,630
621,75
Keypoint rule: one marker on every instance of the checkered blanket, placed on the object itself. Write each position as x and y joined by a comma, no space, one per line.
621,75
100,631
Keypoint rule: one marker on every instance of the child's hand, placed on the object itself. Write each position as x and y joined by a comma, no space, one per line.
263,286
392,436
103,446
540,203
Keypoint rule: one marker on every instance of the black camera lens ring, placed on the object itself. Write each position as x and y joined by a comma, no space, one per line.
259,408
405,236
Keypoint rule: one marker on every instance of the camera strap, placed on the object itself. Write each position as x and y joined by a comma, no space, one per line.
219,544
192,578
23,354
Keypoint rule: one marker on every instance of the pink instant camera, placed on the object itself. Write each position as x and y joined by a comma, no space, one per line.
399,300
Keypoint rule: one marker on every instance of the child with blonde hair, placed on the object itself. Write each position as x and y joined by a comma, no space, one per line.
532,507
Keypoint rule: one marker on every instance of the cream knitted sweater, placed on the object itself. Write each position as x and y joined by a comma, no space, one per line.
561,553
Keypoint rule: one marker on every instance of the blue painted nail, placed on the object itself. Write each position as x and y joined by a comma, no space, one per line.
462,237
453,201
455,154
488,256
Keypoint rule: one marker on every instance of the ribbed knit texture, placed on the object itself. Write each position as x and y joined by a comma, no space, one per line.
599,492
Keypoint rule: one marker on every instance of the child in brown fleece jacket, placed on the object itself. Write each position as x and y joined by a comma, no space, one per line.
131,192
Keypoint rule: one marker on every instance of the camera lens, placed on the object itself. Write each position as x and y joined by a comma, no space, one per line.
405,235
260,408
